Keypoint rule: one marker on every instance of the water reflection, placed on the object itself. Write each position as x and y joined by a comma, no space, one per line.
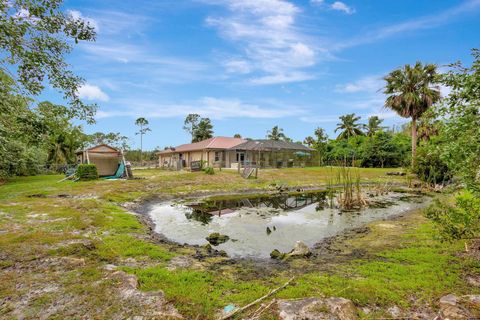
203,211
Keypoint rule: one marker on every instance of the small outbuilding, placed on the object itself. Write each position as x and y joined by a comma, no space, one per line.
106,158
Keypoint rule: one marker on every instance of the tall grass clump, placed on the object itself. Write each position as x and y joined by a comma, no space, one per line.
350,195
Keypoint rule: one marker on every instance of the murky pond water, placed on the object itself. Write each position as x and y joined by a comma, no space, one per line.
257,225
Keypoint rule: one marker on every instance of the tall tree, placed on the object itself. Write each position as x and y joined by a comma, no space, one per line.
114,139
349,127
61,138
276,134
237,135
191,124
35,36
309,141
142,123
373,126
319,143
410,92
204,130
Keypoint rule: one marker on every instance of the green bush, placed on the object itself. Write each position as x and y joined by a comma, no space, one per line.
209,170
430,167
87,172
459,221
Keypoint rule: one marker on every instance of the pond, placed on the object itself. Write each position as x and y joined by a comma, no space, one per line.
256,225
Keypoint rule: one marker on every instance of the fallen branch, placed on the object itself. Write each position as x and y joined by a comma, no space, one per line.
256,315
231,314
67,178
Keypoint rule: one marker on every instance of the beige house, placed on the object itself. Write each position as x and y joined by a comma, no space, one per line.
226,152
214,152
105,157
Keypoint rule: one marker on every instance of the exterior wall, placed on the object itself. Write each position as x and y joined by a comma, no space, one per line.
106,165
193,156
166,161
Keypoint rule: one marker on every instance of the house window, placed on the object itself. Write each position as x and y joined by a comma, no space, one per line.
218,156
240,157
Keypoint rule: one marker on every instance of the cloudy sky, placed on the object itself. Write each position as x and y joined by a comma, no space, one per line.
253,64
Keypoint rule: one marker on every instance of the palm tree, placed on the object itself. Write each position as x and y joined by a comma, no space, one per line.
309,141
276,134
349,126
410,92
142,123
203,131
373,126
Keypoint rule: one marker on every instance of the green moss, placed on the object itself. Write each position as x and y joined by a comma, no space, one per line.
198,293
127,246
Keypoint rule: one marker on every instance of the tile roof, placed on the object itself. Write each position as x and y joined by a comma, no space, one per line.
212,143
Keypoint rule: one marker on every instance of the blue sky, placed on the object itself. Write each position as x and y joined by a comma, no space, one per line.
253,64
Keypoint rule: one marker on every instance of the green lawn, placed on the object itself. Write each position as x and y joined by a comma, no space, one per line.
402,264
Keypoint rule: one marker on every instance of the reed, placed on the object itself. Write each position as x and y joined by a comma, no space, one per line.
350,195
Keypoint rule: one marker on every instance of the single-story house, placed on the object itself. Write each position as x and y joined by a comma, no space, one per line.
105,157
213,151
226,152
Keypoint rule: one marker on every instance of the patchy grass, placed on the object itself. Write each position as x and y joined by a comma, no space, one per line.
56,238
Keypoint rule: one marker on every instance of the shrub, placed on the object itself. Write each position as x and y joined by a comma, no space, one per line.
209,170
459,221
430,167
87,172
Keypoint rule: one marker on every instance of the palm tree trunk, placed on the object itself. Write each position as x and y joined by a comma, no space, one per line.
414,140
141,149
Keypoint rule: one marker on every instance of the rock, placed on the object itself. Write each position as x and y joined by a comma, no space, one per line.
316,309
394,311
450,299
216,238
110,267
275,254
451,309
208,247
343,308
222,253
300,250
269,231
153,304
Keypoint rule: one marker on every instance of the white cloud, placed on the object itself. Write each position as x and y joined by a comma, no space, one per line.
142,62
91,92
371,84
75,14
317,2
122,23
425,22
282,78
269,42
208,107
238,66
340,6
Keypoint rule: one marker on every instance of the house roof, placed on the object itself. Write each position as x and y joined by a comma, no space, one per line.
271,145
212,143
101,148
